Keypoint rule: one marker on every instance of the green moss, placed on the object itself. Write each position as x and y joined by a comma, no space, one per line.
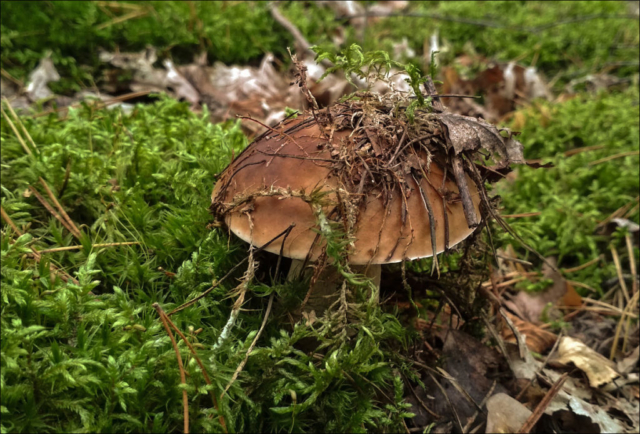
571,48
578,192
93,356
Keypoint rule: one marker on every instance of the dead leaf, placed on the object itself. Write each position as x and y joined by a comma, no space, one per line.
628,364
505,414
181,86
598,368
537,339
470,365
531,305
40,77
470,134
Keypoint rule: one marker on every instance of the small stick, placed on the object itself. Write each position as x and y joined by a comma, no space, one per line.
253,344
67,248
467,203
517,216
202,368
19,122
546,360
64,214
619,212
7,219
431,91
623,284
627,311
613,157
632,264
432,224
15,131
444,211
519,261
36,254
100,104
583,266
183,378
53,212
537,413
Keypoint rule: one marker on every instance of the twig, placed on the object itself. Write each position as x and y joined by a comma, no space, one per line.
444,392
301,41
10,222
627,310
546,360
67,248
53,212
99,104
619,212
64,214
482,404
183,378
11,78
432,224
15,131
19,122
36,254
632,264
623,284
202,368
517,216
613,157
253,344
542,406
122,18
463,188
519,261
583,266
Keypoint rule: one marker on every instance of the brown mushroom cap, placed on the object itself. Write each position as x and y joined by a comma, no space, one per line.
268,179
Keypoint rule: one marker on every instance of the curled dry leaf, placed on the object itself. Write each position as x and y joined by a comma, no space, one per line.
537,339
598,368
472,134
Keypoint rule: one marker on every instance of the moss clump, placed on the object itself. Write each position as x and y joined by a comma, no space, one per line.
93,357
578,192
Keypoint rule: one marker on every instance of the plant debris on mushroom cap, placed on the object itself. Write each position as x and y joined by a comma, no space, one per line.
360,163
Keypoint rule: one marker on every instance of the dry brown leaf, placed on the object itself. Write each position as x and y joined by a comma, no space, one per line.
531,305
470,134
598,368
537,340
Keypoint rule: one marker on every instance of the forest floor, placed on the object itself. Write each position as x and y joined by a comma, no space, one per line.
117,118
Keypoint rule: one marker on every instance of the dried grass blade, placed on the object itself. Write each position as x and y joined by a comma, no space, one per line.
64,214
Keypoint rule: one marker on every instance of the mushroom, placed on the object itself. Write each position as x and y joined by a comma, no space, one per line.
291,174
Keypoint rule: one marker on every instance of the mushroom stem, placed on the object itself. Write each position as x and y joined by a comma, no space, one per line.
326,289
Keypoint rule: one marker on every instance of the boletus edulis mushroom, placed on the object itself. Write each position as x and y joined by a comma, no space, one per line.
400,188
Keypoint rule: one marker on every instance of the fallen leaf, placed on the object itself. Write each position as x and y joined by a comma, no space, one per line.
40,77
531,305
629,363
470,134
598,368
505,414
537,339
